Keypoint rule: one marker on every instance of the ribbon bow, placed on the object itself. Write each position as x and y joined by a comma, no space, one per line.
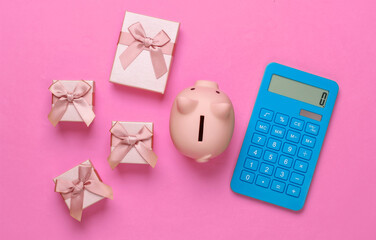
137,42
65,98
131,141
75,189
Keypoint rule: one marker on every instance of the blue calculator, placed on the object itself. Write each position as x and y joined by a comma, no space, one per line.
284,136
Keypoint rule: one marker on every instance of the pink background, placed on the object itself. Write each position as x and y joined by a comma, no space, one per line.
231,43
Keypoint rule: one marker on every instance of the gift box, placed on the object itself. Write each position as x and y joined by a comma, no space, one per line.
72,101
144,52
132,142
81,187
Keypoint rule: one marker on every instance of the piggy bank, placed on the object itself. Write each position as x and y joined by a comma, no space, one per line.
202,121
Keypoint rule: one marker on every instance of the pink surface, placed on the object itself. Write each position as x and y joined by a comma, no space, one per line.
228,42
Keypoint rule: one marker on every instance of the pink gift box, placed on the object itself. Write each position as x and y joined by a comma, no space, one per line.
89,198
71,114
133,128
143,69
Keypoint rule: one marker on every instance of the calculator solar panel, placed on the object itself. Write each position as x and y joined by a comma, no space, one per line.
284,136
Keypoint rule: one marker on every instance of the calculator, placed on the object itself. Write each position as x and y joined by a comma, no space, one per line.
284,136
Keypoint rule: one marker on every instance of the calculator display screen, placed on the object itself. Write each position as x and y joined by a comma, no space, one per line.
298,91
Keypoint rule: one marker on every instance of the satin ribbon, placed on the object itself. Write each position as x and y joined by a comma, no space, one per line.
131,141
75,189
65,98
137,41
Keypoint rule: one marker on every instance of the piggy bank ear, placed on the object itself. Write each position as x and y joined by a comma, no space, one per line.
186,105
221,110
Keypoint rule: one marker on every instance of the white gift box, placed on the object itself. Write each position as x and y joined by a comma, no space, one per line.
140,73
133,128
72,174
71,114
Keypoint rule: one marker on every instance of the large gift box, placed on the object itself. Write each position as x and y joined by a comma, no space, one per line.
81,187
144,52
132,142
72,101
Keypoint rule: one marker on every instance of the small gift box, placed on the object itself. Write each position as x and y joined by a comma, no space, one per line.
81,187
132,142
144,52
72,101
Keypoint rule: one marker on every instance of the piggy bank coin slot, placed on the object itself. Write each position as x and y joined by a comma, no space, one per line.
201,130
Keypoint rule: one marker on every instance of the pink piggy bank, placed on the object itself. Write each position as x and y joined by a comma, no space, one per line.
202,121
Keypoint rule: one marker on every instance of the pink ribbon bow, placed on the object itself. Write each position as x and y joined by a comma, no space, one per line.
128,142
75,189
137,42
66,98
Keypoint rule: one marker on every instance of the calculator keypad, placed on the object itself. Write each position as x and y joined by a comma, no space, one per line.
262,181
266,169
312,128
289,148
293,136
281,119
247,176
262,127
270,156
281,173
297,124
255,151
274,144
304,153
278,186
278,132
293,191
279,154
308,141
301,166
266,114
297,178
251,164
259,139
285,161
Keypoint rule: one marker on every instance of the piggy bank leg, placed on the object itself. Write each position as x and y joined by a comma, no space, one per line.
204,158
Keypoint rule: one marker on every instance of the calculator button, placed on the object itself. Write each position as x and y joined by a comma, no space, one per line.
274,144
262,127
270,156
301,166
266,114
293,191
285,161
266,169
304,153
281,119
308,141
297,178
258,139
247,177
289,149
281,173
251,164
297,124
277,186
262,181
312,128
293,136
254,151
278,131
